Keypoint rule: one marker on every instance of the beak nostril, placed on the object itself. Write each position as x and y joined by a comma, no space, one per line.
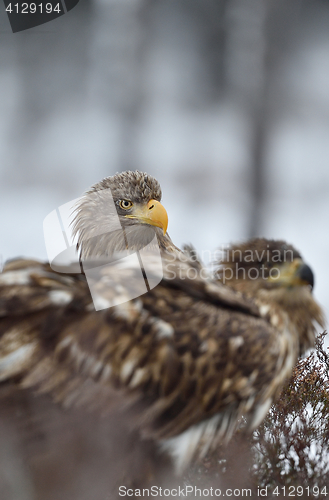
152,206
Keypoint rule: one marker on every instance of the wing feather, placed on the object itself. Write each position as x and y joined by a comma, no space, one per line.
177,355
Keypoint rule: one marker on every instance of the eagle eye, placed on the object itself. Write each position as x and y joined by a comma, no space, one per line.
125,204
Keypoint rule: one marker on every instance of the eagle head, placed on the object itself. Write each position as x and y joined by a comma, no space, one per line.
119,213
273,273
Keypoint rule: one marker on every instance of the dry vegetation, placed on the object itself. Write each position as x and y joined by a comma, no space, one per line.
289,452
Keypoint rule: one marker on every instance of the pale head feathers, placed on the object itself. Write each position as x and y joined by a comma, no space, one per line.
103,227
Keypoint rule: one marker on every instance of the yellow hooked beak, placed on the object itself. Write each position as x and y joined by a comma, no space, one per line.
152,213
295,273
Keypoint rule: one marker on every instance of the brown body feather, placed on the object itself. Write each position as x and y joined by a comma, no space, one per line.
186,351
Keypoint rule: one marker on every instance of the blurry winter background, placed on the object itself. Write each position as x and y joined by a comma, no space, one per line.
226,102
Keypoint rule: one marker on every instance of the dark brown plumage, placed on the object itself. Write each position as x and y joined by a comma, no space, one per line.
179,365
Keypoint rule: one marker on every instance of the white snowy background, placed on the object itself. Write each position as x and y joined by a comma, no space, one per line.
189,91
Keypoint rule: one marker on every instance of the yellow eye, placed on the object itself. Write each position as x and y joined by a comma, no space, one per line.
125,204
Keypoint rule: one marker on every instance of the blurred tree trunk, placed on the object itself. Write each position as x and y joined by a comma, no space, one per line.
259,33
247,74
